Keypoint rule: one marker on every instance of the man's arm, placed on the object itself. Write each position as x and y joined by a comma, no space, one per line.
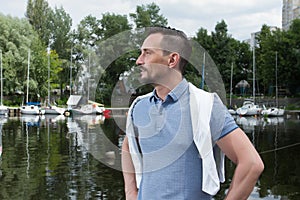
128,172
238,148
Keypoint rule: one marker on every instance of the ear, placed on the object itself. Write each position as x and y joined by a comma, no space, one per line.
173,59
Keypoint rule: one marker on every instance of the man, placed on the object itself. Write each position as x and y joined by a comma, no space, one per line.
177,135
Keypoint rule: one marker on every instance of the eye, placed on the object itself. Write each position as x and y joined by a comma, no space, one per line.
147,52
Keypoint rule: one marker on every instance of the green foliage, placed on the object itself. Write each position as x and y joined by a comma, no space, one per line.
148,15
226,51
112,24
39,14
284,44
16,38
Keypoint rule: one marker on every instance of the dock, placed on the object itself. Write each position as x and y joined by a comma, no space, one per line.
14,111
122,111
293,113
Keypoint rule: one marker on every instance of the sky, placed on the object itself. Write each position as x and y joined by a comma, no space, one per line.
242,17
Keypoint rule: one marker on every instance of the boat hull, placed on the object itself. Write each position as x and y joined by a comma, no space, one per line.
3,110
54,110
273,112
248,109
88,110
32,110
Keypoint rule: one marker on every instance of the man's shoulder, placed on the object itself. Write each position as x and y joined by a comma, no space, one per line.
141,98
197,91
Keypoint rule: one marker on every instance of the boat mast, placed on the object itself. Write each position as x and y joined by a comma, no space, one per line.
231,74
254,71
28,66
88,81
71,71
48,52
276,89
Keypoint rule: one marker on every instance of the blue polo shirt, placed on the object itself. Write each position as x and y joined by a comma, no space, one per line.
172,167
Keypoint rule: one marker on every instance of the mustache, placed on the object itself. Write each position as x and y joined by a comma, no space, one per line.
142,68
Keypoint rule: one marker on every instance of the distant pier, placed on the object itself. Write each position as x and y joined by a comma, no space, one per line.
122,111
14,111
292,113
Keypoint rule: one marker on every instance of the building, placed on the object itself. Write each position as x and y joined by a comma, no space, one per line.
290,11
253,40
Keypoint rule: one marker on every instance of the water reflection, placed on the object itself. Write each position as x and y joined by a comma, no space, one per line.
43,159
3,120
53,157
88,133
277,141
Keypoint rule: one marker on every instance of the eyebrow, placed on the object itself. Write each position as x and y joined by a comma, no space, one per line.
147,49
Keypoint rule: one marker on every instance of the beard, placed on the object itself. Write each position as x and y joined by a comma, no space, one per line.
145,77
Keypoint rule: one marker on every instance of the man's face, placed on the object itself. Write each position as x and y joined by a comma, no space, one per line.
153,64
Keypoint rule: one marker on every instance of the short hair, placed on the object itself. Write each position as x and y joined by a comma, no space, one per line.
173,41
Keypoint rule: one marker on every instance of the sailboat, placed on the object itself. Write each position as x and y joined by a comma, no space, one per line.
230,109
3,109
249,107
81,105
51,109
31,108
274,111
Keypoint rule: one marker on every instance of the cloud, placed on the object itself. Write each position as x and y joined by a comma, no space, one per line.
242,17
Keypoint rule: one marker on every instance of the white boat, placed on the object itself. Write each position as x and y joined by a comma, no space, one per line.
273,112
249,108
78,105
88,109
3,109
31,108
54,110
51,109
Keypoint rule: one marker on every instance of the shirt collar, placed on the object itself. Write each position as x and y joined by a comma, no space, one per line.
174,94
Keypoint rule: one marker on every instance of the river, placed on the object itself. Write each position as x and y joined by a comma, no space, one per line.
53,157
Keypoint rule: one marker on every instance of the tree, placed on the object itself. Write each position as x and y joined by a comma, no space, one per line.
111,25
242,60
39,15
222,52
87,33
62,42
294,66
204,39
16,38
265,59
148,15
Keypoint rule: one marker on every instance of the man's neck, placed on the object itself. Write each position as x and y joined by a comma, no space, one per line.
163,90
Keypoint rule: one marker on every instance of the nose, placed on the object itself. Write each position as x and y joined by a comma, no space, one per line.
139,60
